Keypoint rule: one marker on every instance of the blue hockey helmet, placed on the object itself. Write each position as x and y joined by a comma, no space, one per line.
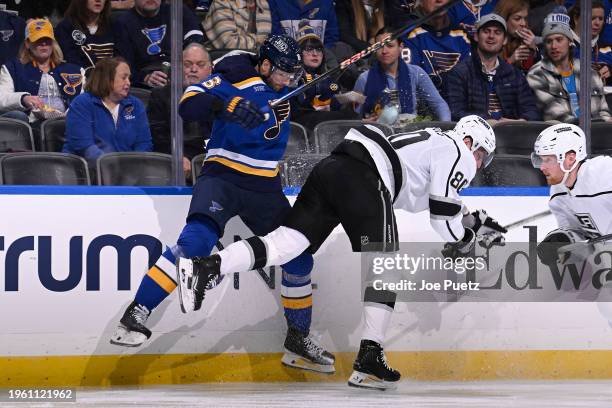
283,52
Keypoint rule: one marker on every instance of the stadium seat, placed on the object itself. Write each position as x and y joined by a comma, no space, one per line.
330,133
135,169
53,135
517,137
15,136
601,138
298,140
196,166
411,127
42,168
295,169
509,170
143,94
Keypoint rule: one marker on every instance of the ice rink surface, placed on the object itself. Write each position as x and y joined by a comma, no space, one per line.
493,394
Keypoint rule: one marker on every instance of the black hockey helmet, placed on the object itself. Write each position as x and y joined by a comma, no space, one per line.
283,52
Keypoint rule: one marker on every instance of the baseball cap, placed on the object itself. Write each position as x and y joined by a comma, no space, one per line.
39,28
491,19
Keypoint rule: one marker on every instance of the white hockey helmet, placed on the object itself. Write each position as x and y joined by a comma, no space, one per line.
481,133
558,140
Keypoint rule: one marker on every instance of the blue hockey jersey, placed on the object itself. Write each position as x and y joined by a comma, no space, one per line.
248,158
287,16
437,52
465,15
12,30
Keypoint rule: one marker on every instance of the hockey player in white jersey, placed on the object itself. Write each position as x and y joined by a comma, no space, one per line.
358,185
580,192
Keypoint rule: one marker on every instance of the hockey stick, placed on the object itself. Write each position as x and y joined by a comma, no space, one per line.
365,53
527,219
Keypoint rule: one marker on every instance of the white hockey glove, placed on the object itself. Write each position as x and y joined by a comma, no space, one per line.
488,231
565,245
462,248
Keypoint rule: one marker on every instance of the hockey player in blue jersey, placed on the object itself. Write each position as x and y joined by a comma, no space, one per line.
239,177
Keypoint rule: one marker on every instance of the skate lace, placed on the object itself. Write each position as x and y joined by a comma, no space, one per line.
140,314
312,347
383,359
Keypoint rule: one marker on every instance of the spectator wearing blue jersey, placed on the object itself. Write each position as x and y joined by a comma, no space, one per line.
105,118
86,34
435,46
144,39
465,14
12,29
485,84
319,14
601,55
389,71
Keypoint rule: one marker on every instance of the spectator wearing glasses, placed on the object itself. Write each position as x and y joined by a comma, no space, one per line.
389,71
38,84
196,68
556,79
238,24
86,34
485,84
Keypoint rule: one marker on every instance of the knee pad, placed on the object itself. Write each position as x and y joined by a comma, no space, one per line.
198,238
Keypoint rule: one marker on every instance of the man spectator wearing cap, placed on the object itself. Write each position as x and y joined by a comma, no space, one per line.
144,39
555,80
38,81
485,84
12,29
435,46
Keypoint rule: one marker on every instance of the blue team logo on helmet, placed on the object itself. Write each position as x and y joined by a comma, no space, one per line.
282,51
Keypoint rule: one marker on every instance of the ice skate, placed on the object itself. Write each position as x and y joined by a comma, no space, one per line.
195,276
132,331
371,369
301,351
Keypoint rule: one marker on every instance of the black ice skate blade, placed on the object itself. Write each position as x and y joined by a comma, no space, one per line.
365,387
301,367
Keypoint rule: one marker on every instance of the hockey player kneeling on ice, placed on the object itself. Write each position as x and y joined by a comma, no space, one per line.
579,194
411,171
239,177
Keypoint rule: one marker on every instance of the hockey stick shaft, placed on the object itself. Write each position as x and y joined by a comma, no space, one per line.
365,53
528,219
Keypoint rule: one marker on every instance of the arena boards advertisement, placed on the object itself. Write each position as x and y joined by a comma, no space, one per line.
72,260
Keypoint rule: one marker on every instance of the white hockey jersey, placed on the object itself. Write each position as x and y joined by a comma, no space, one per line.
423,170
587,206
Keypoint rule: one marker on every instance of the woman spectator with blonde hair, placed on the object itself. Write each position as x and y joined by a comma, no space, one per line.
521,49
106,118
86,34
38,81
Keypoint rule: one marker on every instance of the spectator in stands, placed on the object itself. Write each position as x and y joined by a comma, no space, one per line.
144,39
359,21
556,78
196,67
465,14
122,4
319,14
398,13
435,46
86,34
38,83
12,29
106,118
601,56
605,35
53,10
238,24
317,104
538,10
389,71
485,84
521,49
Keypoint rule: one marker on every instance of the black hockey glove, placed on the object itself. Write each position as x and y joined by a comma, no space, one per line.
243,112
461,249
556,246
548,249
488,231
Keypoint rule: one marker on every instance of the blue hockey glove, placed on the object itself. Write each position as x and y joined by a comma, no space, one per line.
243,112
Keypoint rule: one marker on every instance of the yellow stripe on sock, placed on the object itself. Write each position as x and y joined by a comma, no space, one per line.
161,279
299,303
